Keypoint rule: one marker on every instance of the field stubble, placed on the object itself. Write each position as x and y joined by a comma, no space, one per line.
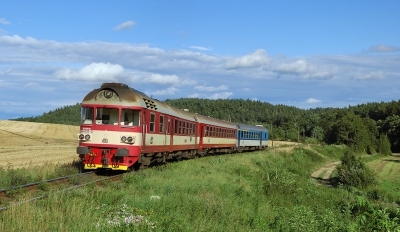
26,143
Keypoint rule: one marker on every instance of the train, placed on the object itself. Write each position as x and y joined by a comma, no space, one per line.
123,129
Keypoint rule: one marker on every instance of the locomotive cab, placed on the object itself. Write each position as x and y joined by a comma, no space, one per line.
110,131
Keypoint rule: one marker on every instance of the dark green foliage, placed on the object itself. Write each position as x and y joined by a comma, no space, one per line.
391,127
353,172
351,131
67,115
384,145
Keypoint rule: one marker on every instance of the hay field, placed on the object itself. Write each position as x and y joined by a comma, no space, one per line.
28,144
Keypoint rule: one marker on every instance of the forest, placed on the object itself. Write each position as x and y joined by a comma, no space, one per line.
371,127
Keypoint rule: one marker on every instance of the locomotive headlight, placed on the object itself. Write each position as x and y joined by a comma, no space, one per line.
87,137
130,139
81,136
123,139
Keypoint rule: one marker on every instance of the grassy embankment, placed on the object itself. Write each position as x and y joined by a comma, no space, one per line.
260,191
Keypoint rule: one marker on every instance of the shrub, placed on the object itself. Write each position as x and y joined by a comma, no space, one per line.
353,172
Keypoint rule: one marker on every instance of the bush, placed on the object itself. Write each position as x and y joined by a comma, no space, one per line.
353,172
384,145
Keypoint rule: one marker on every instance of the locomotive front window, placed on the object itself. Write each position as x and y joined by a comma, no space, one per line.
130,117
107,116
86,115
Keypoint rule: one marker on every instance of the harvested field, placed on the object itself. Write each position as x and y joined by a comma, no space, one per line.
387,167
28,143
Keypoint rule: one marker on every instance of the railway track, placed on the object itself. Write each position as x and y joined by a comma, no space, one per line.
10,197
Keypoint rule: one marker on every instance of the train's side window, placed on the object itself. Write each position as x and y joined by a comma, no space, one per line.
152,122
176,126
161,127
168,124
206,132
130,117
180,126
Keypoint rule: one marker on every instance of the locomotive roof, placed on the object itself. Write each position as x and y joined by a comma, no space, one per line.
245,127
214,121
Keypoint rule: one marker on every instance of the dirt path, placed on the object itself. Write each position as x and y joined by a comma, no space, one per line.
326,171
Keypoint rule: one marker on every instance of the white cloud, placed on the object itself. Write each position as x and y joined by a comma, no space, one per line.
162,79
256,59
156,78
124,26
12,103
4,21
30,84
91,72
313,100
169,91
8,71
378,75
211,88
383,48
223,95
297,67
200,48
195,95
18,40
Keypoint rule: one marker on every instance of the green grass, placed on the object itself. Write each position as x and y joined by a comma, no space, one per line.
257,191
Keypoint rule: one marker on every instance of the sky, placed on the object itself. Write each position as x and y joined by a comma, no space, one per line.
306,54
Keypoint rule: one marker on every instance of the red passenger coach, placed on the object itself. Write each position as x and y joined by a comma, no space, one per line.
122,128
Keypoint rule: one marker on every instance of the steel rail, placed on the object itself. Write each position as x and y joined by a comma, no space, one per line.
59,191
48,181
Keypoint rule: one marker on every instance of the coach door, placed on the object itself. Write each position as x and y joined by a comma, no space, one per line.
202,132
167,139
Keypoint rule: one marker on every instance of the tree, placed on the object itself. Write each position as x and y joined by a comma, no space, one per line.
350,130
391,127
384,145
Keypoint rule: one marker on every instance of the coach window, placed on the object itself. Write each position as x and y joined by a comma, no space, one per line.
152,122
130,117
180,126
107,116
176,126
86,115
168,125
161,127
